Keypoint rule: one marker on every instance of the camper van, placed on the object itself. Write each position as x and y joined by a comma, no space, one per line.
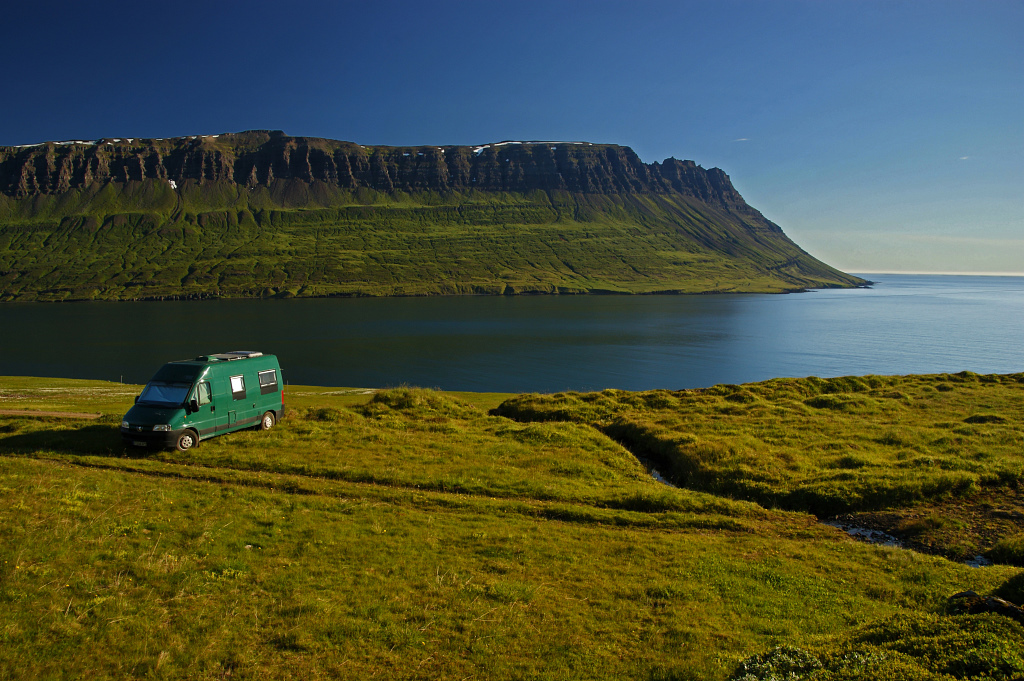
195,399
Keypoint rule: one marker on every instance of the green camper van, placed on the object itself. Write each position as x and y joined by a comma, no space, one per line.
195,399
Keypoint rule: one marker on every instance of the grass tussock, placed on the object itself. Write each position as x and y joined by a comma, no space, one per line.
1009,550
826,446
416,403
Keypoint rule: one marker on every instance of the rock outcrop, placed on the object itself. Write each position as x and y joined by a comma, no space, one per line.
971,603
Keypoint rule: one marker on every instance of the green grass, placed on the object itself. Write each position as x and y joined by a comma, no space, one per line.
825,446
145,240
411,534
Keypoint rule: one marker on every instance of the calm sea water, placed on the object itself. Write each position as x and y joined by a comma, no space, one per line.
903,324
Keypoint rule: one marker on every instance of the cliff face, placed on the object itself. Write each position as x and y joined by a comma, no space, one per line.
258,158
260,213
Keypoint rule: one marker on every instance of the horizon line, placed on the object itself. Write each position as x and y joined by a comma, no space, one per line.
939,273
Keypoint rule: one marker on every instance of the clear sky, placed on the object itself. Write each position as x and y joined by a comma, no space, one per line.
881,135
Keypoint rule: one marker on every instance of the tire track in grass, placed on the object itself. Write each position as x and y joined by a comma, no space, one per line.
419,496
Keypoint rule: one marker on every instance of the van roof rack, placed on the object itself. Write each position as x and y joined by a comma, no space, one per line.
228,356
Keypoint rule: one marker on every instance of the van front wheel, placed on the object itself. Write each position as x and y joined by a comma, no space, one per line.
186,441
268,421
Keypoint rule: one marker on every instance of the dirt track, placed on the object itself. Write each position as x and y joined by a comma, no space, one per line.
52,414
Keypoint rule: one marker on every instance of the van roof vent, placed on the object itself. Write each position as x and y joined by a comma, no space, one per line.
236,354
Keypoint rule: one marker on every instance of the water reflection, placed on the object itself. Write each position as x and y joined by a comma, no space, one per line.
905,324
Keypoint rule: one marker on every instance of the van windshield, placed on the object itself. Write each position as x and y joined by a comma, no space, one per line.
177,372
170,385
160,394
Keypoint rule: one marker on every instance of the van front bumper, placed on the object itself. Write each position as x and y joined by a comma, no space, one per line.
149,438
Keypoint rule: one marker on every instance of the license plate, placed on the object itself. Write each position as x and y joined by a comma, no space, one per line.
138,444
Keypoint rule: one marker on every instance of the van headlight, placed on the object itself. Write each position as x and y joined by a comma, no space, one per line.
124,424
162,427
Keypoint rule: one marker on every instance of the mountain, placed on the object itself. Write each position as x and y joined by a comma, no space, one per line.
260,213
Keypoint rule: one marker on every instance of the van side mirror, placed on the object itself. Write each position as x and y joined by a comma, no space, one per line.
193,405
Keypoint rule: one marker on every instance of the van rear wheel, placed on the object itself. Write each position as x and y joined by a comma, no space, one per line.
268,421
186,441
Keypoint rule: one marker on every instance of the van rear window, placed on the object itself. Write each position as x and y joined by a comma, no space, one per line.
268,382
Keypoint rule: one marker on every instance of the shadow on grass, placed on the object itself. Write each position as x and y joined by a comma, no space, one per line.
91,440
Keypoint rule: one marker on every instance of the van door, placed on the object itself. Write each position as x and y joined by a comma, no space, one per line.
240,413
204,419
221,402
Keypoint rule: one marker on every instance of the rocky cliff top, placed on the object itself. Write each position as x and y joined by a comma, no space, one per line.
259,157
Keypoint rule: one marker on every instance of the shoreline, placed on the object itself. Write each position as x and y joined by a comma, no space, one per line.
443,294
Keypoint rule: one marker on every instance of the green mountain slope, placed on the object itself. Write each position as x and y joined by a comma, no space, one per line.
260,214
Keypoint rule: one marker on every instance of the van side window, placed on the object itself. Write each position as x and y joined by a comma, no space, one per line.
238,387
203,393
268,382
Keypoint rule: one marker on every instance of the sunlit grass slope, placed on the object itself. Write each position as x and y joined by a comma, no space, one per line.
411,534
146,240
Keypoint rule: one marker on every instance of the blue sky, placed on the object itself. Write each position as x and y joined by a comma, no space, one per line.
881,136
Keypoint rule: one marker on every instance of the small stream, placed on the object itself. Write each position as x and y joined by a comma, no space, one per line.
871,536
654,472
865,534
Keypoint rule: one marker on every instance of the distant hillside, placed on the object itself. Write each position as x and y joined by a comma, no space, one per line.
260,213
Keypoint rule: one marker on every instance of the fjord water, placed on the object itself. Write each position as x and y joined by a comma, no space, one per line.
903,324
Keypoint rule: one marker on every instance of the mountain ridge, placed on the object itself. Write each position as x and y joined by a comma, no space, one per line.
263,214
257,157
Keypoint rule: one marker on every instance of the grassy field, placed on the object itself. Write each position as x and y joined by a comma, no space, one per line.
415,534
145,240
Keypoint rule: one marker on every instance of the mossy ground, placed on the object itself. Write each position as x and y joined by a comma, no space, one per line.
411,534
